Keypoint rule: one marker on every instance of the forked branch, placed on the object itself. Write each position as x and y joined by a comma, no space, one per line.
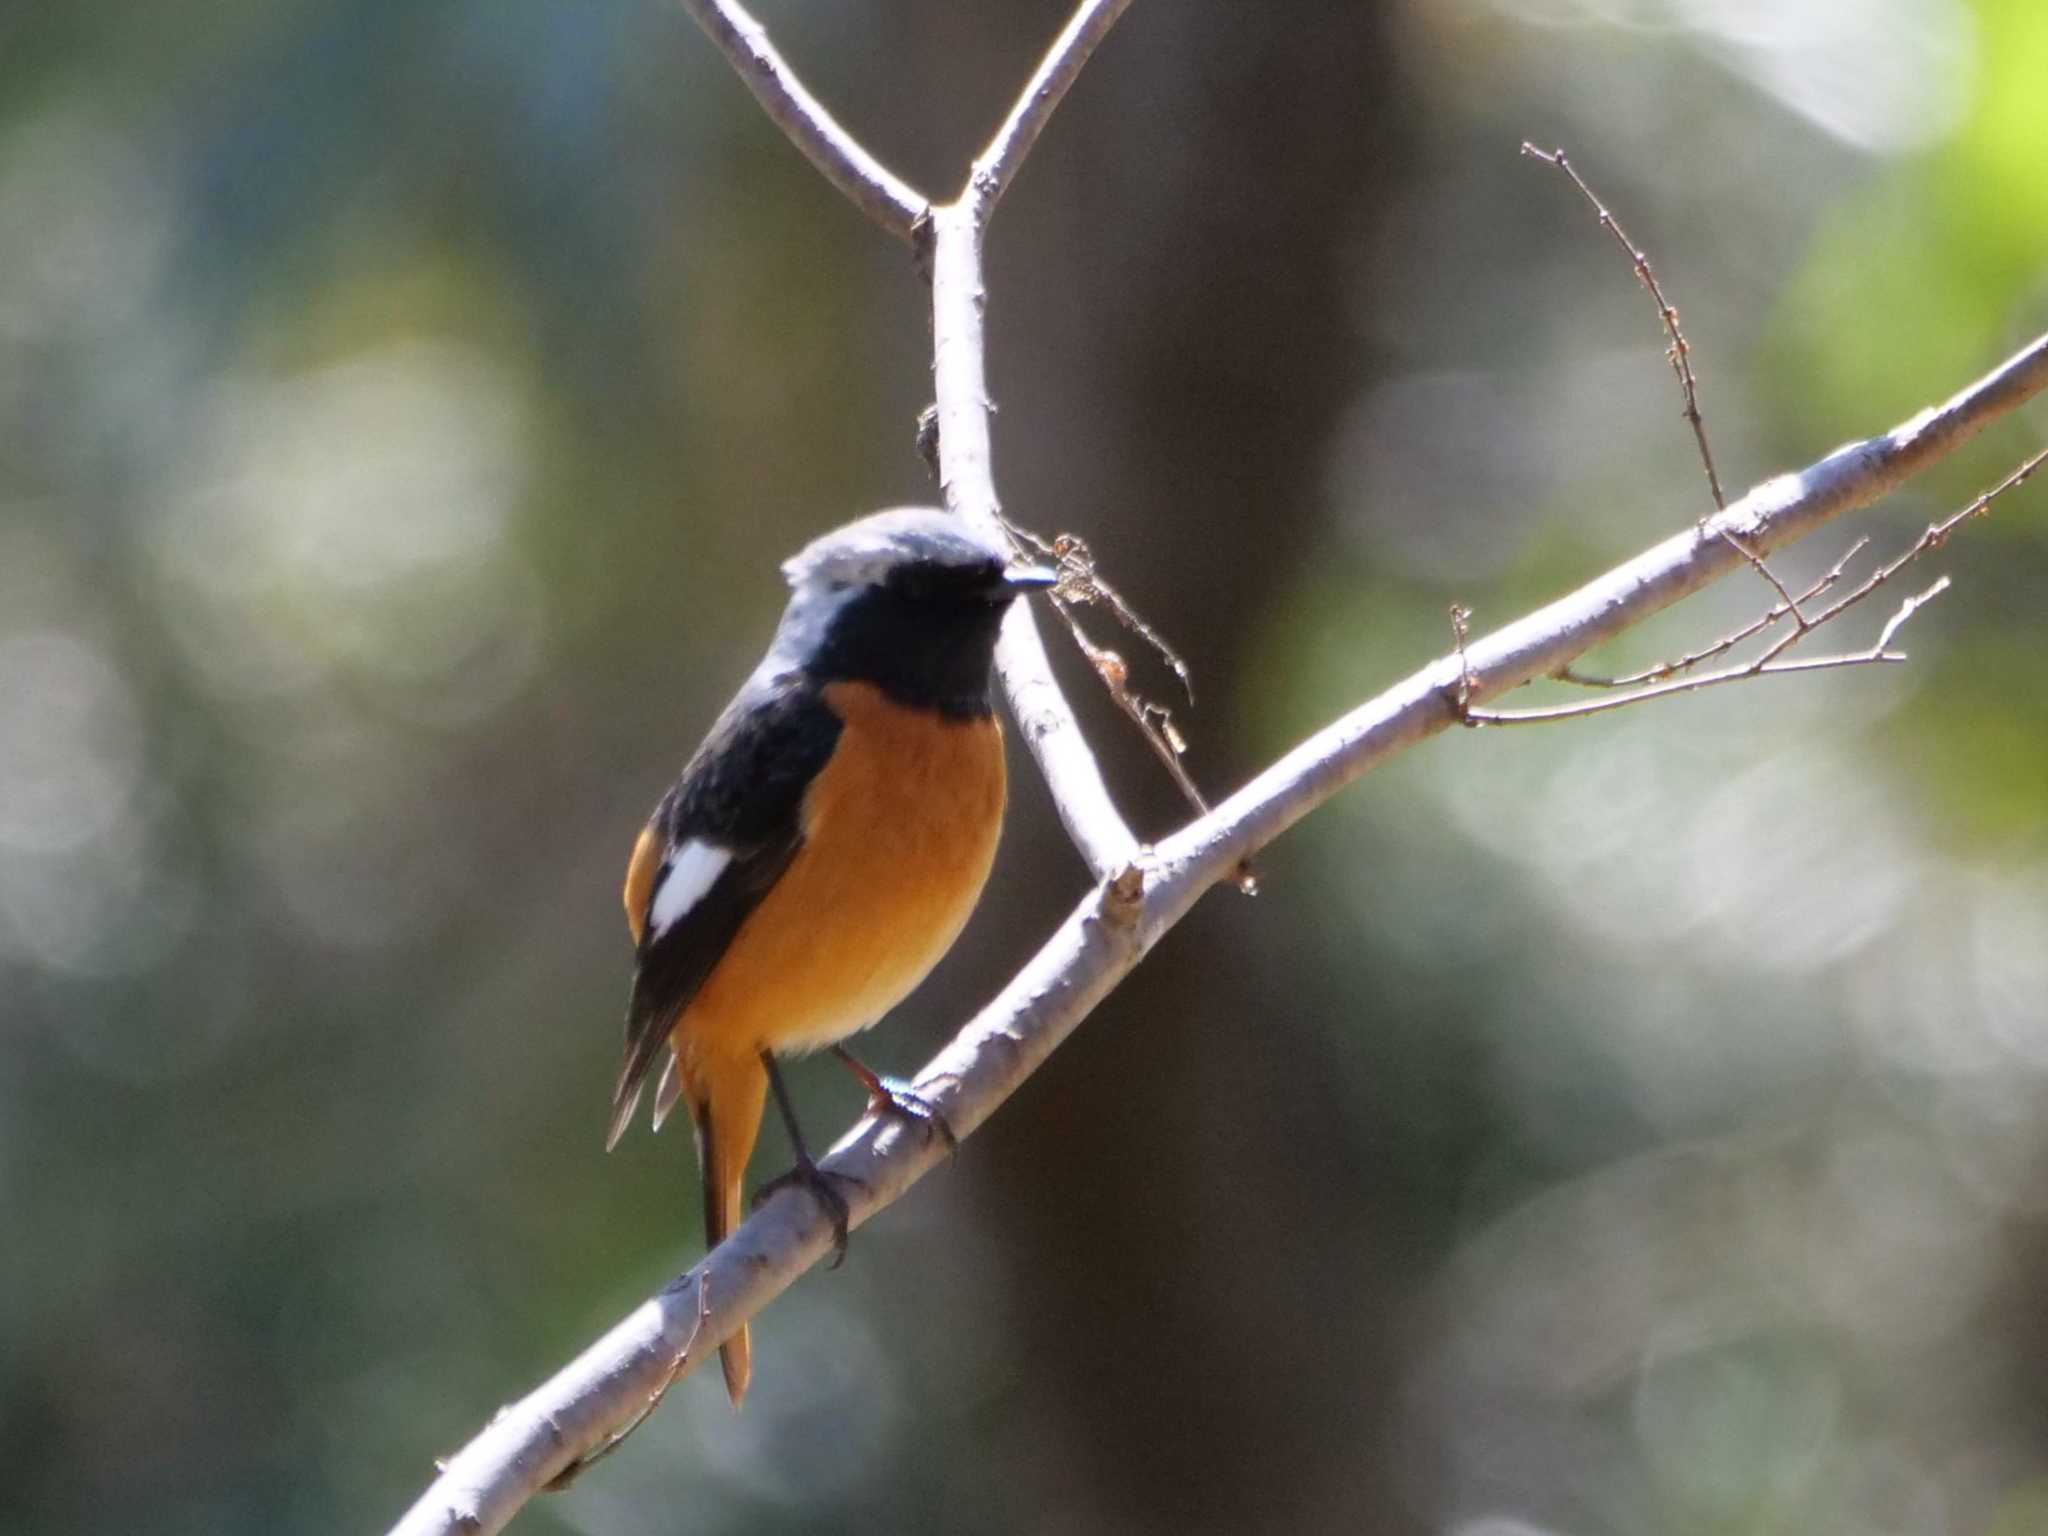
996,167
1767,662
949,240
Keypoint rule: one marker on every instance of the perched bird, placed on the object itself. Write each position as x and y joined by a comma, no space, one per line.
823,847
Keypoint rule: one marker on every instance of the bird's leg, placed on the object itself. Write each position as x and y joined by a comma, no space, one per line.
893,1096
806,1172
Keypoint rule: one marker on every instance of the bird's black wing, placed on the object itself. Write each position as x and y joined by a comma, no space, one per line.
723,836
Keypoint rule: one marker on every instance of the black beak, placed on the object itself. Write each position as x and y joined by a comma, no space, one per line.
1020,580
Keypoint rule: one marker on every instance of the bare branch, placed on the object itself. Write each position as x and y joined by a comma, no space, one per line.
1763,666
997,167
1053,737
1680,353
1154,723
1554,713
1774,514
619,1436
533,1440
1082,584
967,481
1726,643
1907,609
879,193
967,477
1936,535
1766,663
1787,602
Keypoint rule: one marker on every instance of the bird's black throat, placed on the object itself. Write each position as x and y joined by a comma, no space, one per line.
926,637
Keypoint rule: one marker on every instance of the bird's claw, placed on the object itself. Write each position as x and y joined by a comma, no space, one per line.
819,1183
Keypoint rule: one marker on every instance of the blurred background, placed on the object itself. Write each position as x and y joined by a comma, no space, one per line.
1635,1126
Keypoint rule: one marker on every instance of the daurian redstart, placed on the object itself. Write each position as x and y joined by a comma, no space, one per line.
825,844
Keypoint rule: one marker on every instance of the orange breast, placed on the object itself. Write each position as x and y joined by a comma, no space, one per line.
900,829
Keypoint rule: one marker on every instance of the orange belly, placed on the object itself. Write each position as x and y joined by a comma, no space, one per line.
900,829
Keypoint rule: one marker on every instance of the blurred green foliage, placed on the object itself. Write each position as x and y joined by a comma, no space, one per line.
1634,1126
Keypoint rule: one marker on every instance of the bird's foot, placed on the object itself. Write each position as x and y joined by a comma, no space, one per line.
893,1096
822,1187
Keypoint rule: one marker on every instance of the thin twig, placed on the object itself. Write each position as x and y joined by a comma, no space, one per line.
1117,924
997,165
1766,663
1936,535
1757,563
1693,684
1154,722
1680,353
1906,611
1081,584
1466,683
1881,651
1726,643
879,192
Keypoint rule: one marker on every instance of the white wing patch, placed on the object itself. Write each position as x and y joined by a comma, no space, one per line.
687,874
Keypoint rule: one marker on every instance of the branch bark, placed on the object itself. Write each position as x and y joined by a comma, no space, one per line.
876,190
966,468
997,165
967,481
1118,922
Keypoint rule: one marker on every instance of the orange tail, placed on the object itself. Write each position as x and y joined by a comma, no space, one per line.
725,1100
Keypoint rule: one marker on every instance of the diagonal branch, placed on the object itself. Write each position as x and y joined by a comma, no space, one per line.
966,469
1766,662
1063,62
879,193
967,481
1774,514
534,1440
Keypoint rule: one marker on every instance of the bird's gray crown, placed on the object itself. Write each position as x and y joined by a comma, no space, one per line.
865,551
